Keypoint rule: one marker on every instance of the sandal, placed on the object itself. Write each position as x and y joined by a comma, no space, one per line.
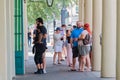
72,69
59,62
54,63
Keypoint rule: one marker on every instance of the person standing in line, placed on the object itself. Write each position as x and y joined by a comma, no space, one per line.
42,30
74,42
38,50
63,33
84,48
58,41
69,49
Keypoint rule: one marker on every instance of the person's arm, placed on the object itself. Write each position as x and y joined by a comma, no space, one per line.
34,33
81,37
44,35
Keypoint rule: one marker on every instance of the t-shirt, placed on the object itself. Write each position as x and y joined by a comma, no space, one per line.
43,30
84,32
75,34
57,39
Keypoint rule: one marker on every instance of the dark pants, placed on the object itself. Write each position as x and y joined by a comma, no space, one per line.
75,51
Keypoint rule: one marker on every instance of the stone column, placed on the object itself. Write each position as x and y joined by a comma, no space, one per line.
108,38
81,10
10,38
25,31
7,67
3,41
118,41
12,48
97,26
88,12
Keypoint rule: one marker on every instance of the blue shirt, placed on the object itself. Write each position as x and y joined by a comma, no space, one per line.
75,34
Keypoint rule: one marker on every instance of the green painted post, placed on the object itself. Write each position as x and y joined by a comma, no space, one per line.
19,44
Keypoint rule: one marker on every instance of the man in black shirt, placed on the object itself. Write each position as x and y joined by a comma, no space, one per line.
40,29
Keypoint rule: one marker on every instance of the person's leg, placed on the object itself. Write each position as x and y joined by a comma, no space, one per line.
38,69
64,51
44,62
88,63
54,58
59,57
79,60
69,55
37,64
41,71
82,63
74,62
90,54
75,55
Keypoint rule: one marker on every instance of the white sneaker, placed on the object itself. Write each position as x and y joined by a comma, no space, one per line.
44,70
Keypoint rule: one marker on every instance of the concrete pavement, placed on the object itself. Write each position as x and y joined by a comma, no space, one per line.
56,72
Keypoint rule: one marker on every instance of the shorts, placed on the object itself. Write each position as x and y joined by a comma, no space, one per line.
84,50
75,52
38,59
58,48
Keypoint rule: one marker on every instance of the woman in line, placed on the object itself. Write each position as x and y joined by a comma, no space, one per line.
84,49
58,41
69,48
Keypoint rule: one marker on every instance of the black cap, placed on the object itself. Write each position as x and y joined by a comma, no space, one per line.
58,28
39,20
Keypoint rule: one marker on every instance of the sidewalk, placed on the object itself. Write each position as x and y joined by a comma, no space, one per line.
56,72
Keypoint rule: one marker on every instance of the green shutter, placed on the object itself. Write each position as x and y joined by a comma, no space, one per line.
19,52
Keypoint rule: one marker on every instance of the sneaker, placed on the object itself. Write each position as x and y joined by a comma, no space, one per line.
37,72
41,71
44,71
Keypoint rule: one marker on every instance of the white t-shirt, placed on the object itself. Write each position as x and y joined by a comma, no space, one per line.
57,39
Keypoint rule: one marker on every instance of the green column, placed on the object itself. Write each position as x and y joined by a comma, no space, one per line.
19,52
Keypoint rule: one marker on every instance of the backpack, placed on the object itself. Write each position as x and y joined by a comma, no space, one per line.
87,40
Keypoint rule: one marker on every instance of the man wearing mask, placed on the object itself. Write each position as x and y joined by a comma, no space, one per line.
42,30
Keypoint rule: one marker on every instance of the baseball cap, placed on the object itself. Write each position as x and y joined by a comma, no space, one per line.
58,28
